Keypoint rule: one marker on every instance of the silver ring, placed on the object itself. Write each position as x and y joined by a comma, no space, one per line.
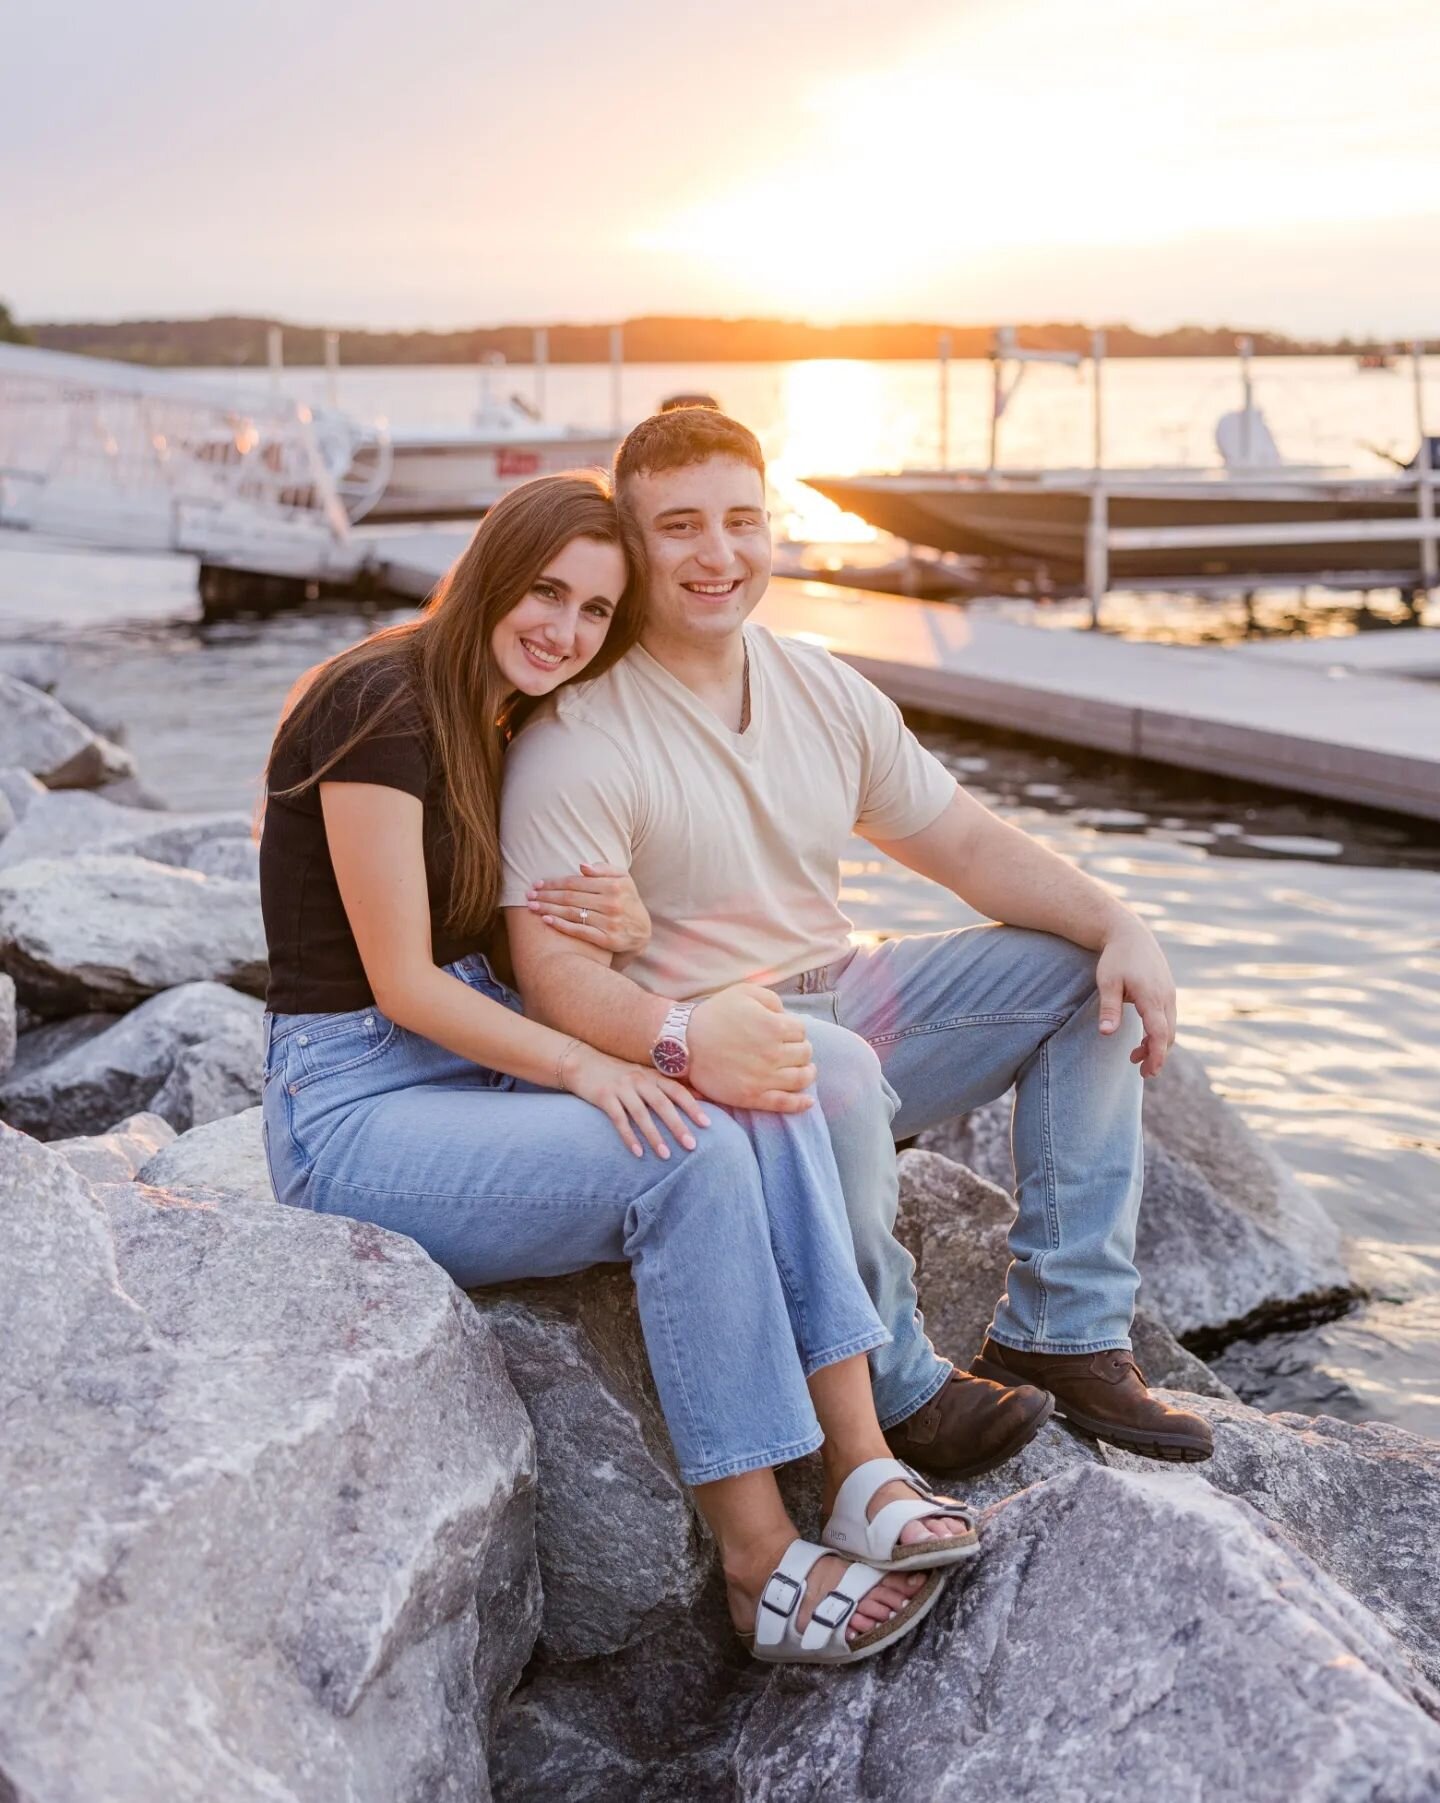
584,917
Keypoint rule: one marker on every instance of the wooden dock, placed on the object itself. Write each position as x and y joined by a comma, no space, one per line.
1354,720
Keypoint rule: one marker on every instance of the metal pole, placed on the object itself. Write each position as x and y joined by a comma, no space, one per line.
542,359
996,379
1097,357
1425,473
1246,347
617,364
275,355
332,369
944,353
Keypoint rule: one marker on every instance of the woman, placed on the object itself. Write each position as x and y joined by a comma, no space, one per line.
403,1086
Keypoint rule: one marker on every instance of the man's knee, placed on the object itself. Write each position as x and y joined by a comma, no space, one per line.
849,1081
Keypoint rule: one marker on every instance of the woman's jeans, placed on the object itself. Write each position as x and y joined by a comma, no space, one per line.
741,1253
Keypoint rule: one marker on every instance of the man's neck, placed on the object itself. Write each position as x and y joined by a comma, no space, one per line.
707,665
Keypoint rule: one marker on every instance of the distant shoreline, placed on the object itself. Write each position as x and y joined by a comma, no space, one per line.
241,342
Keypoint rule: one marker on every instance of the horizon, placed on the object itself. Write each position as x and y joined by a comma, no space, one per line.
1026,160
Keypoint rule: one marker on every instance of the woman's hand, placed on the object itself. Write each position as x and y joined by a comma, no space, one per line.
600,905
627,1093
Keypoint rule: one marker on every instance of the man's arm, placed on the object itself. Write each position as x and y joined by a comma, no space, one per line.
745,1050
1005,874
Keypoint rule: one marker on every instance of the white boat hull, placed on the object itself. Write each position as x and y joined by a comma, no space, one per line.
460,476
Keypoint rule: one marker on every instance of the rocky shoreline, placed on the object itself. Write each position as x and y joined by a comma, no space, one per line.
289,1516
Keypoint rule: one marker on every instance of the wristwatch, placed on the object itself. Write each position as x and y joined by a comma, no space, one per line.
670,1053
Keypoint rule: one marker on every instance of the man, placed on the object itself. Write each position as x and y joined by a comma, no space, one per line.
726,769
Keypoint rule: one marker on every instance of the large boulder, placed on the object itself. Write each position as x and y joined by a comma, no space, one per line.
268,1525
1228,1238
1121,1637
622,1553
20,789
8,1023
191,1055
955,1226
60,824
1360,1497
224,1159
116,1156
106,931
39,735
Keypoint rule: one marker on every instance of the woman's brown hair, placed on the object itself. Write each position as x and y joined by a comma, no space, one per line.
445,660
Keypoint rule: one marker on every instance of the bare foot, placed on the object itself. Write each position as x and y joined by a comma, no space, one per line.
877,1606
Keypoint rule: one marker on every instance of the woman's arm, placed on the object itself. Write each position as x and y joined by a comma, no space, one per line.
375,835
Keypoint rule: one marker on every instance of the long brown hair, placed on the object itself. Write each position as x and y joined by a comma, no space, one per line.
444,655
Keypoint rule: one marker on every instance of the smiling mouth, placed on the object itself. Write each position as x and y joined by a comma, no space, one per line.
712,591
547,660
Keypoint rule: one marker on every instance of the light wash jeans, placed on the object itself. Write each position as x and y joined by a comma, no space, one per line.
945,1022
741,1254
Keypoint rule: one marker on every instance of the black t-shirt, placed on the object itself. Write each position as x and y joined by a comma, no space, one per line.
315,965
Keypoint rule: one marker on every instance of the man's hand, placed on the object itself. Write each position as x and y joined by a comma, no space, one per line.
747,1052
1132,968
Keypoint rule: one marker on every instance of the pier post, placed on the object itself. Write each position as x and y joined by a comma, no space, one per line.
944,354
332,369
1424,476
617,364
275,355
1097,547
542,359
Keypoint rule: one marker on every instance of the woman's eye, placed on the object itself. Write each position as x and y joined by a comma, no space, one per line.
544,591
599,611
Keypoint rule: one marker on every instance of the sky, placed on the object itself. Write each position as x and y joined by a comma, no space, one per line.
1273,164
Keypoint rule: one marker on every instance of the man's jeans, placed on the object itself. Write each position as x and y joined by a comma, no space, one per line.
954,1019
740,1250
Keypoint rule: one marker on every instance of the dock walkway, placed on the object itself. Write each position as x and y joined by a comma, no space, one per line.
1313,723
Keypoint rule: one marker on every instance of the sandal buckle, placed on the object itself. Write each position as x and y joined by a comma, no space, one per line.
796,1591
847,1609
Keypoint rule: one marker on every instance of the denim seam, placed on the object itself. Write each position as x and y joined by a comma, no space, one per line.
1058,1348
760,1461
1052,1207
964,1020
354,1064
848,1349
917,1403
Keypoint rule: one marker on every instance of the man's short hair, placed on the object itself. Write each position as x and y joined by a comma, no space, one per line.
684,435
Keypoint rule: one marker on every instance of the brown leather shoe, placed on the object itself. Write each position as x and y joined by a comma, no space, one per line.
970,1426
1103,1394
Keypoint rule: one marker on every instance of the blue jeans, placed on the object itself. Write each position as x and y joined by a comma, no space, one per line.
946,1022
744,1269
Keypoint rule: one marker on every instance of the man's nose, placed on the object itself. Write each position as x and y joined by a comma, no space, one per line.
713,549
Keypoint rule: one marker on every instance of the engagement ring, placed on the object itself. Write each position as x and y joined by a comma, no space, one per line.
584,917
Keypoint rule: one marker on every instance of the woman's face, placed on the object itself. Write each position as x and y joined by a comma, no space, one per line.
554,630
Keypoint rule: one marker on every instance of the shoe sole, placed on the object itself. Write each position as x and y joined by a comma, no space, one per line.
977,1467
1175,1449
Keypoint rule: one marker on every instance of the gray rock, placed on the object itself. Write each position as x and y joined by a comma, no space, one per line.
116,1156
8,817
1121,1638
8,1023
237,860
39,665
40,1042
193,1054
79,820
955,1226
224,1158
268,1525
622,1553
41,736
1361,1498
1227,1238
20,789
107,931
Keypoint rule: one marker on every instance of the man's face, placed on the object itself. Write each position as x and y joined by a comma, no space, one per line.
707,547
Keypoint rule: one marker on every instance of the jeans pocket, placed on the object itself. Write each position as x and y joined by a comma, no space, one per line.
335,1046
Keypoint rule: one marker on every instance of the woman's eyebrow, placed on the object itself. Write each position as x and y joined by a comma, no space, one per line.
554,581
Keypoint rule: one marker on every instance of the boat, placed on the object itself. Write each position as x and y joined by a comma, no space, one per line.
447,474
1256,519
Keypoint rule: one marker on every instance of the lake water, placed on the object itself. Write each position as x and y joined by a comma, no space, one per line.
1305,936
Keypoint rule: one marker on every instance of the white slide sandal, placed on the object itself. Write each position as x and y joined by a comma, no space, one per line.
780,1640
877,1542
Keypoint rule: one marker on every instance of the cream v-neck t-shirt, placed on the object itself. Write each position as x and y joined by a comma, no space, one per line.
733,840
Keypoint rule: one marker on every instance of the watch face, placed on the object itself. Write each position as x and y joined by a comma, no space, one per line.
670,1057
